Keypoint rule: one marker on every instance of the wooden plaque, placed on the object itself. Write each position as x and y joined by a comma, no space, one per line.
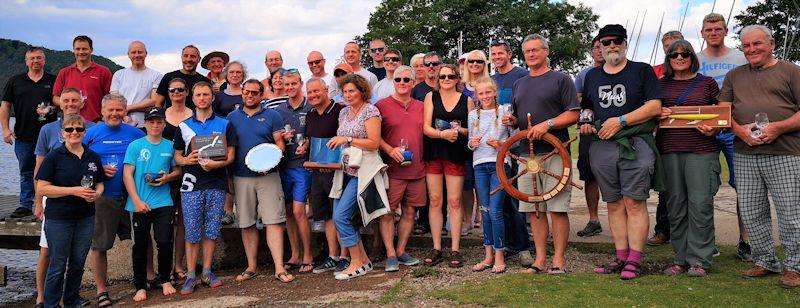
691,116
213,144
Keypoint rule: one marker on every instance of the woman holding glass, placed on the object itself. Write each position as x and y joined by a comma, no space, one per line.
445,155
71,177
691,160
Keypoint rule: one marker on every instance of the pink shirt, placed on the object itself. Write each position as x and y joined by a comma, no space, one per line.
94,83
401,122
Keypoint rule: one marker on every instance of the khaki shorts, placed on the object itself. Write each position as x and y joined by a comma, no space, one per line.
259,197
110,220
560,202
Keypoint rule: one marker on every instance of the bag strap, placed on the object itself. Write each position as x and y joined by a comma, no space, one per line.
689,89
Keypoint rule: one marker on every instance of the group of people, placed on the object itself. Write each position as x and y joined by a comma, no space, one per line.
103,156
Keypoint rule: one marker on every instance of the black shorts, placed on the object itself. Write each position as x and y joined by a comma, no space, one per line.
321,204
584,167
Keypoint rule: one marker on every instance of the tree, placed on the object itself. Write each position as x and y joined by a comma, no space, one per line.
780,16
422,25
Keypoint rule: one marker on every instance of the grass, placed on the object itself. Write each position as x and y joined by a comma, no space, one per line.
723,287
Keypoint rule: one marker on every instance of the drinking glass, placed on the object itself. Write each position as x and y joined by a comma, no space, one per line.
111,161
761,122
288,128
455,124
41,109
87,181
586,117
300,140
403,144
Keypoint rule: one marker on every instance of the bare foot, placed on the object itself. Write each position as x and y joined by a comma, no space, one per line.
167,288
140,295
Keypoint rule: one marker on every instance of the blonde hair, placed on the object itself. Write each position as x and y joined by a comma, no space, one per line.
466,75
714,18
486,80
455,72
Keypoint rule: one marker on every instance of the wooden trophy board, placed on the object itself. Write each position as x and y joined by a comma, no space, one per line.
691,116
214,144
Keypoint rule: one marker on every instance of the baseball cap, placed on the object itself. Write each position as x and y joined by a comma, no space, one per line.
154,112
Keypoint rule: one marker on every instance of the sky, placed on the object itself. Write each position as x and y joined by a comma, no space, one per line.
246,30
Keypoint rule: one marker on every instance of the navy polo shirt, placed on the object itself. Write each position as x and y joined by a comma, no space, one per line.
252,131
297,119
63,168
194,177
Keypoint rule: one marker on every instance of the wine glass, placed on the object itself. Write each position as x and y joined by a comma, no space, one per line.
203,157
300,140
288,128
403,144
455,124
41,108
761,122
586,117
111,161
87,181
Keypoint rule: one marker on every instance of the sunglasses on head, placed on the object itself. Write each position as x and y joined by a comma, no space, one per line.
315,62
377,50
449,76
74,129
403,79
432,63
177,90
684,55
474,61
497,43
291,70
616,40
391,59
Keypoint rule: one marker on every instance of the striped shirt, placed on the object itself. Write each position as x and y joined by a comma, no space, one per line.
273,103
687,140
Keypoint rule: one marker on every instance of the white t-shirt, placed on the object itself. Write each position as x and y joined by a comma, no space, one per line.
135,86
382,89
368,75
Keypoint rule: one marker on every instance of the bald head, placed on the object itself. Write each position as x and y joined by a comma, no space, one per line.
316,63
137,53
274,60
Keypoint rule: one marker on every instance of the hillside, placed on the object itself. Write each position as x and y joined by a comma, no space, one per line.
12,60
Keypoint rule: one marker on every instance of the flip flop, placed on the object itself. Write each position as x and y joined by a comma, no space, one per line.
284,277
291,266
246,275
556,271
304,265
533,269
499,269
480,267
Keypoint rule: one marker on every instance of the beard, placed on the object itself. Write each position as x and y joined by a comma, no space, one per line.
614,57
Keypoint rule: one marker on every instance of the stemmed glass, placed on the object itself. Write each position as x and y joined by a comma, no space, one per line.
111,161
41,108
288,128
761,122
300,140
87,181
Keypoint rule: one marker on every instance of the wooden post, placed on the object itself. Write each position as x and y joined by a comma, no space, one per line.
3,276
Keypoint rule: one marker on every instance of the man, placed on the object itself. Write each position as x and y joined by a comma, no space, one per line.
258,194
190,57
766,158
137,84
385,88
316,64
590,189
551,98
625,96
505,73
352,56
322,122
273,61
666,40
294,178
402,120
215,63
432,63
716,60
109,140
148,167
377,49
94,80
24,93
203,185
341,70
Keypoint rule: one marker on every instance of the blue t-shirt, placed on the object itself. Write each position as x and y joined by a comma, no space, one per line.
618,94
252,131
146,157
106,141
505,83
50,137
297,119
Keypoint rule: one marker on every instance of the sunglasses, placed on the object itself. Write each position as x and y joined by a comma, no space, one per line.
474,61
684,55
616,40
339,73
391,59
377,50
248,92
497,43
177,90
74,129
432,63
315,62
287,71
403,79
450,77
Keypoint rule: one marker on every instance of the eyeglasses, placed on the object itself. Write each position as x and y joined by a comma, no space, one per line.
684,55
432,63
449,76
377,50
177,90
391,59
287,71
315,62
616,40
248,92
339,73
497,43
74,129
403,79
475,61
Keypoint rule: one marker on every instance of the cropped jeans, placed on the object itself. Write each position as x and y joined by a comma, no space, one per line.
494,234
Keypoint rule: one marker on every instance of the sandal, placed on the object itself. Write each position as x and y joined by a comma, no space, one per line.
455,260
480,267
613,267
103,300
675,270
433,257
556,271
284,277
246,275
632,270
178,276
291,266
499,269
533,269
306,265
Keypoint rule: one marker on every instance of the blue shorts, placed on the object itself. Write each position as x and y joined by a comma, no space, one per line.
202,214
296,183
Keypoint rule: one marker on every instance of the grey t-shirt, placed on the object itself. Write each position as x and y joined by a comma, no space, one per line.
717,67
544,97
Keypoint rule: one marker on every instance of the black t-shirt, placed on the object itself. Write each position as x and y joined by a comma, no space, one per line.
618,94
224,103
324,125
379,72
62,168
420,90
163,86
25,95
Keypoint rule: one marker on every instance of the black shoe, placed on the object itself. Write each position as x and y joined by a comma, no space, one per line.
21,212
592,228
743,252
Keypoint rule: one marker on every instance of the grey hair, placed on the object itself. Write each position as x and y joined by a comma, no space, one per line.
316,79
751,28
228,66
673,35
533,37
114,97
416,58
405,68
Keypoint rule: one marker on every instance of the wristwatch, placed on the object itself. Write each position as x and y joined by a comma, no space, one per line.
349,140
622,121
550,123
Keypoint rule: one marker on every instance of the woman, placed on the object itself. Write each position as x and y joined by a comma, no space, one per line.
360,127
474,68
445,155
691,158
71,177
418,63
177,113
275,85
215,62
485,130
230,98
385,88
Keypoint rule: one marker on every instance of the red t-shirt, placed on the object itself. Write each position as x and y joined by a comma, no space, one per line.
659,69
94,83
401,122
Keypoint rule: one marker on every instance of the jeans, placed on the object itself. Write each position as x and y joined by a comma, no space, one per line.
27,161
494,234
343,210
725,139
68,241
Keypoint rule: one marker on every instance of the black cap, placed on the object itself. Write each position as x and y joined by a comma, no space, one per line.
154,112
613,30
